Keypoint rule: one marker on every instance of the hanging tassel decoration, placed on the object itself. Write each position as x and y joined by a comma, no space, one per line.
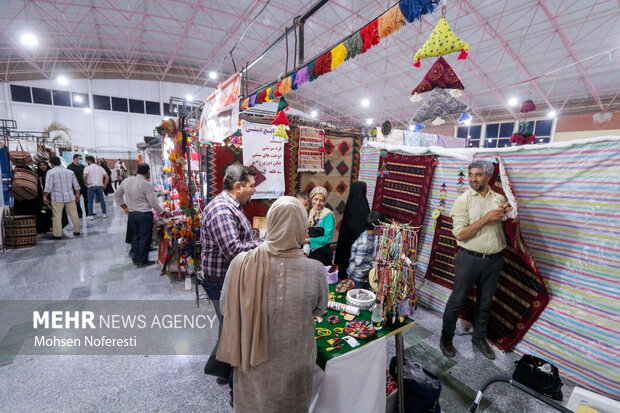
463,55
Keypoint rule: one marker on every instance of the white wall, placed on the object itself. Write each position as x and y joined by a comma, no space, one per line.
99,131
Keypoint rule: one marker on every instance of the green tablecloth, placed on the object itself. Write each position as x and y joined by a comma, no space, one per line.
323,356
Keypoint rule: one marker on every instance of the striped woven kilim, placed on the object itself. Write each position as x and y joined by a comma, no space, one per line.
369,165
402,195
569,212
341,168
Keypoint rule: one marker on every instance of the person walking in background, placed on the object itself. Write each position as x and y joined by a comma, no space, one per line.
117,174
96,179
107,189
136,197
78,169
62,188
44,212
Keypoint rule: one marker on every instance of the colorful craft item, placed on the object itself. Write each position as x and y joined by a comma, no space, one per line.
282,104
333,319
361,329
527,106
339,53
281,119
252,101
245,104
439,103
301,77
418,127
338,330
323,332
349,317
440,75
349,309
323,64
261,97
522,138
280,135
318,319
412,10
354,45
435,215
455,93
442,41
391,21
370,35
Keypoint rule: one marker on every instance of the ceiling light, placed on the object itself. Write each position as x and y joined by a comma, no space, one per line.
365,102
212,75
513,102
467,122
368,121
176,110
62,80
78,98
551,113
87,110
266,20
411,127
189,97
29,40
314,113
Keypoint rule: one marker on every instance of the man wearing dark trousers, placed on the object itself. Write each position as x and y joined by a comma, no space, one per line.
78,169
225,232
477,226
137,198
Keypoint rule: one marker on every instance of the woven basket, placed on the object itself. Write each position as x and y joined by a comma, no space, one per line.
20,231
363,304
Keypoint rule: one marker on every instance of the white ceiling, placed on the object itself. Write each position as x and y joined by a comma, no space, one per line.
181,41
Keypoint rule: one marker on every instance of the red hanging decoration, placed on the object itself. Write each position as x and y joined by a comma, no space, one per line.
370,35
323,64
262,96
417,63
281,119
463,55
528,106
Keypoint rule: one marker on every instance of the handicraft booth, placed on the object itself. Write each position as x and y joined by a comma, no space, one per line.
557,292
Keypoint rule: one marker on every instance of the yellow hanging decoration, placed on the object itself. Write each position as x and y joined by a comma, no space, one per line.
339,53
267,97
280,135
442,41
436,213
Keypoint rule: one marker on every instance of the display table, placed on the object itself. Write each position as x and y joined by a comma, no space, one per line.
352,379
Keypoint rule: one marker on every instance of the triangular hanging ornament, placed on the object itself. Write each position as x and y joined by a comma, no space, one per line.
281,119
442,41
280,135
443,185
440,75
283,104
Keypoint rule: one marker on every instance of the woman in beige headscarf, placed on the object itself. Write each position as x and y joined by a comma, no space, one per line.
269,297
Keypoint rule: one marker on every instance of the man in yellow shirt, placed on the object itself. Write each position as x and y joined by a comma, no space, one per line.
477,226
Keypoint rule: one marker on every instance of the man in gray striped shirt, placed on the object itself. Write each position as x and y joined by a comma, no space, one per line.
62,187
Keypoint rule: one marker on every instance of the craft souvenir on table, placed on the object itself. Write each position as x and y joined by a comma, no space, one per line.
363,299
439,103
359,329
344,286
442,41
333,319
318,319
440,75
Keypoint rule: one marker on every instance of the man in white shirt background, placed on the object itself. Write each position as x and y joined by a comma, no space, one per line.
95,179
137,198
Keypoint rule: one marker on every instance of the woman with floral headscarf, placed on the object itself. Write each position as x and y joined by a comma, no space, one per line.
321,224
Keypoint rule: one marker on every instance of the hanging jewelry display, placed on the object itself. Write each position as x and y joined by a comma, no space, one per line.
395,256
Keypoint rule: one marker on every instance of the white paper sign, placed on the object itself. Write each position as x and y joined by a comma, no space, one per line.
266,157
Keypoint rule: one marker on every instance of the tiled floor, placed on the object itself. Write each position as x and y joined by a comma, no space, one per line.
95,266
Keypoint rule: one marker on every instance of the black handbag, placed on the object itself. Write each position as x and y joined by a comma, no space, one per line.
418,397
217,368
314,232
539,375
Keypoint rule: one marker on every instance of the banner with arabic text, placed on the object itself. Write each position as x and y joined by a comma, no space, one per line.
265,157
